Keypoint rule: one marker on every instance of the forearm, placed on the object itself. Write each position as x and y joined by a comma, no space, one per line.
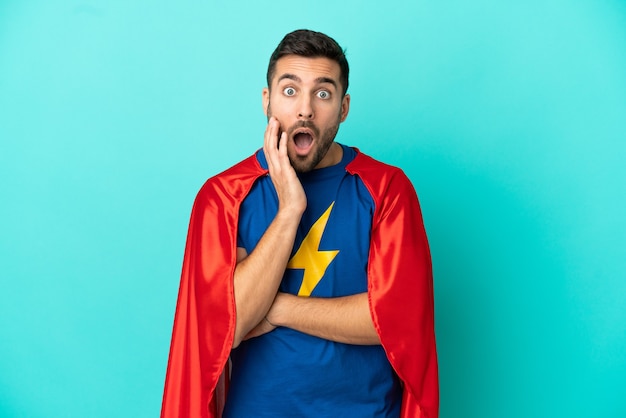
344,319
258,275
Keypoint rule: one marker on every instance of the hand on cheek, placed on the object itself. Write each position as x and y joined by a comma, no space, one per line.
288,187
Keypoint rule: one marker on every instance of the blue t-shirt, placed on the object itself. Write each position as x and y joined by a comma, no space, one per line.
286,373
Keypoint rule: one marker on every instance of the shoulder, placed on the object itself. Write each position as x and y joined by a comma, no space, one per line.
232,184
379,178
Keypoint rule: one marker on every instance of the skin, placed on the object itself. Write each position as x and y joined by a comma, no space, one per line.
305,97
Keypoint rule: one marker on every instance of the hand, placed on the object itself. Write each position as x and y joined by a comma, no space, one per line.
262,327
267,325
291,195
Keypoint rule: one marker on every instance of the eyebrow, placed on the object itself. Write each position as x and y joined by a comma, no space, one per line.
297,79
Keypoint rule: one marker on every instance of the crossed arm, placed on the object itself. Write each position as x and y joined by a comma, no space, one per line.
260,307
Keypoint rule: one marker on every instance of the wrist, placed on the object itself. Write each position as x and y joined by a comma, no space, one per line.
289,215
268,321
279,313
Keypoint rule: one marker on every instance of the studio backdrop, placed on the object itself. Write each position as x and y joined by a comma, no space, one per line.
508,117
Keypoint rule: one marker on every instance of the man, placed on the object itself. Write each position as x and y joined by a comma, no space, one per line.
306,288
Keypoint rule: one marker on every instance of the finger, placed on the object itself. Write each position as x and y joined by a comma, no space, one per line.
271,126
282,145
266,136
278,155
271,142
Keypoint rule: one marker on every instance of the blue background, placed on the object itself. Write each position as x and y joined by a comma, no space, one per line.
509,117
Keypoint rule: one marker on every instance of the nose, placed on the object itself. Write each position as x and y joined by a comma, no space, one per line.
305,109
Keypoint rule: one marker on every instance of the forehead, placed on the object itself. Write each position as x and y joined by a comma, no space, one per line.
309,70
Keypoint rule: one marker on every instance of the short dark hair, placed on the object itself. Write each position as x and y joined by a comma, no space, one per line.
311,44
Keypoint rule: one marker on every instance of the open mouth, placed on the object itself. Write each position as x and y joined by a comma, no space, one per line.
303,140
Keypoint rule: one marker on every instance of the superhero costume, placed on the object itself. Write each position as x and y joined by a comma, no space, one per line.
399,287
312,377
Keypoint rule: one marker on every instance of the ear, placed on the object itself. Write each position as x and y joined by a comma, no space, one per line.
266,99
345,107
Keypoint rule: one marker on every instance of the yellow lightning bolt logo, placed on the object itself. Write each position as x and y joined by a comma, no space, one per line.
309,258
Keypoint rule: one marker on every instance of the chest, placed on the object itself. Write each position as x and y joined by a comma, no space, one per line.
331,247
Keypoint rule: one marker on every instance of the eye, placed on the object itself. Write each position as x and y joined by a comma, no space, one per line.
289,91
323,94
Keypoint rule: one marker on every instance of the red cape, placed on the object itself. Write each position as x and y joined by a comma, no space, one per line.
400,291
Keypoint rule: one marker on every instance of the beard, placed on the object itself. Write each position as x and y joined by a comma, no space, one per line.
323,141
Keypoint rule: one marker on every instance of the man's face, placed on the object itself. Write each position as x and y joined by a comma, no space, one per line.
306,98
